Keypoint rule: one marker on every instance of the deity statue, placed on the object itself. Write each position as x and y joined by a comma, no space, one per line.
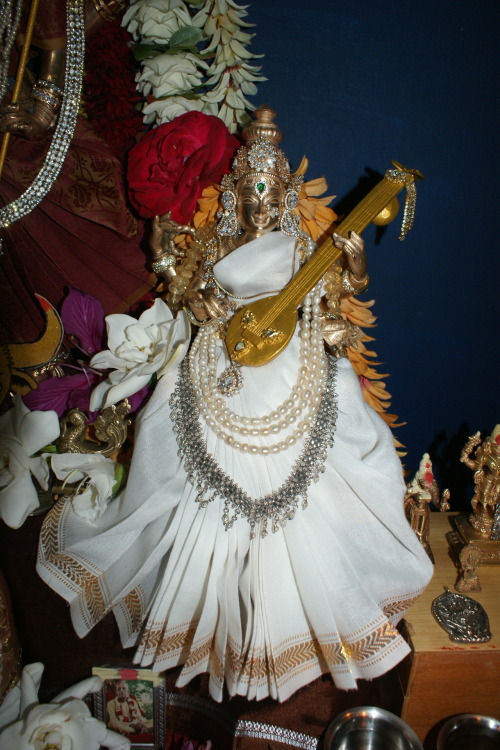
256,200
420,492
84,235
469,559
261,537
486,466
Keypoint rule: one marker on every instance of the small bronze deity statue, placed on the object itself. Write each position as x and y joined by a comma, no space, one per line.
476,539
420,492
486,466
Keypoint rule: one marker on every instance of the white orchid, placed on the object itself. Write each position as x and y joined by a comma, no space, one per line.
165,75
138,349
63,724
94,476
22,434
156,20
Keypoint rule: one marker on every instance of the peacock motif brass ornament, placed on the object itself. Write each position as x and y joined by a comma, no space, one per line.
105,436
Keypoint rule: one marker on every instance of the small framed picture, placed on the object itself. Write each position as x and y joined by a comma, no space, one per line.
132,703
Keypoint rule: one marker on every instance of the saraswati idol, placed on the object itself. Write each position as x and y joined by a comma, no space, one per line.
261,537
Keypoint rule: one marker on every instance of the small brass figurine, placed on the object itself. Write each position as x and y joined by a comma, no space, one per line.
421,491
468,580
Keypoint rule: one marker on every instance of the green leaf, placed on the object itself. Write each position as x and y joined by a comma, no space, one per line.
120,476
188,36
47,449
187,94
142,51
182,51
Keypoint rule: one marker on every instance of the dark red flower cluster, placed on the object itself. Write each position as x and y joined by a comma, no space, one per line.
110,95
172,164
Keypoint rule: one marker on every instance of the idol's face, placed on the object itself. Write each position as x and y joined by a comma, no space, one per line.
259,204
122,691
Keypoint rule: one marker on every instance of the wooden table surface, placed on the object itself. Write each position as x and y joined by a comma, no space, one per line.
444,678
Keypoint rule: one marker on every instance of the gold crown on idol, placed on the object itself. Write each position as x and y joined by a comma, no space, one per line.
261,154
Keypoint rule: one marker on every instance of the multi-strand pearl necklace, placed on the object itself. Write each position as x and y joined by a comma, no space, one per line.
294,415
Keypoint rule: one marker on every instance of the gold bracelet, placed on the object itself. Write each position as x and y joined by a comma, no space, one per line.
109,10
47,92
160,265
194,320
348,286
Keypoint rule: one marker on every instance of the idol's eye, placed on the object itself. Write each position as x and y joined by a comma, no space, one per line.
249,198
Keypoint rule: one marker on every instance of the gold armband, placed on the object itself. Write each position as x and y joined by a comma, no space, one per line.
109,10
348,286
160,265
47,92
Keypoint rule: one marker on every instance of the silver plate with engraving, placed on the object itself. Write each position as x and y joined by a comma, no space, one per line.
463,618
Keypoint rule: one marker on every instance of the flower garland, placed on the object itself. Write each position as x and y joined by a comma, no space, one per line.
177,76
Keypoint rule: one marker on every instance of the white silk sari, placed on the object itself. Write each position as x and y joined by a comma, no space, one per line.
264,616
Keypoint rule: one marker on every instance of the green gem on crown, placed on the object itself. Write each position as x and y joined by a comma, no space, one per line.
261,186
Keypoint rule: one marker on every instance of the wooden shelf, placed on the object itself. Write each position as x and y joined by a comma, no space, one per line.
443,678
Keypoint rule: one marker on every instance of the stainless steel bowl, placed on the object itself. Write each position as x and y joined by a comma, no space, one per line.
370,728
469,732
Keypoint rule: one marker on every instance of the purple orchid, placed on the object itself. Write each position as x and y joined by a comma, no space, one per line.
83,319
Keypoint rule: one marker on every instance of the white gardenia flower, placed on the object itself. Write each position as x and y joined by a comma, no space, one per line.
166,110
156,20
137,350
22,434
63,724
96,476
165,75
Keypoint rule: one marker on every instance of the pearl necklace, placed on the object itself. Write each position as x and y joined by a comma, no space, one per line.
66,122
301,404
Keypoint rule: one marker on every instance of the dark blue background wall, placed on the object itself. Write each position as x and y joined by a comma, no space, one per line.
359,83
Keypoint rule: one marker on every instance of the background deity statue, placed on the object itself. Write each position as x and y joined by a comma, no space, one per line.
486,466
420,492
84,233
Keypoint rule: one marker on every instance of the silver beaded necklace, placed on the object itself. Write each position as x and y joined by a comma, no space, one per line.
65,128
8,30
211,481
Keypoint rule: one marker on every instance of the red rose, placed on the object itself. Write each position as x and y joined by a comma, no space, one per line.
172,164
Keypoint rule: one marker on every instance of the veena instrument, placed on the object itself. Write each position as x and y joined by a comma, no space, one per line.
258,332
